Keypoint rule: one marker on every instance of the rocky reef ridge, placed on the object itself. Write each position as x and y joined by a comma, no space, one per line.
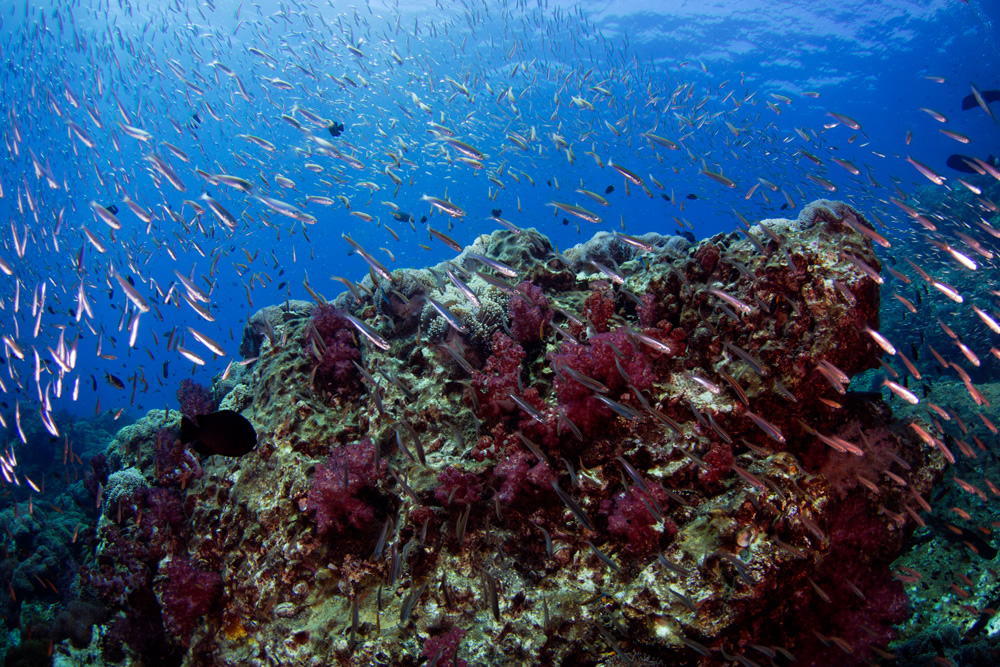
641,451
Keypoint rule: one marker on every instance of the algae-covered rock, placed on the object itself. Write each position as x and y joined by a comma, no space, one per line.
133,445
121,486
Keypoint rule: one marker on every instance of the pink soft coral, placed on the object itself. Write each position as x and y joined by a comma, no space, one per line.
520,475
458,488
599,307
442,649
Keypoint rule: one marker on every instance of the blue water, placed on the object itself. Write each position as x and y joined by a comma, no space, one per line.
867,60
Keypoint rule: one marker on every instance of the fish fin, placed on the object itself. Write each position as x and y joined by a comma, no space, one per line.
962,163
989,96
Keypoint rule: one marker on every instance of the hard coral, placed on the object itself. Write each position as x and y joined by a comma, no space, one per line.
529,313
334,498
335,371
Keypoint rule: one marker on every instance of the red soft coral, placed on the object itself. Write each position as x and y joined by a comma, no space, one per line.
719,459
187,593
630,518
335,371
599,361
494,384
334,496
529,313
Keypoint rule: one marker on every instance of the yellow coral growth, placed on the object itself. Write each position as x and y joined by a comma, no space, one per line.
234,629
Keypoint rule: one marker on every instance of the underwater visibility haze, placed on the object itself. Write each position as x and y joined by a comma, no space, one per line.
500,333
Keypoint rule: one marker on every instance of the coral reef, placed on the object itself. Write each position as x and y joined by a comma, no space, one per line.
634,455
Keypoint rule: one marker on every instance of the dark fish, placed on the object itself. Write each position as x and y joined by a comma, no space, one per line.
423,218
401,216
165,369
963,163
225,433
565,221
112,208
335,129
691,196
496,212
114,381
962,536
608,190
989,96
281,284
784,206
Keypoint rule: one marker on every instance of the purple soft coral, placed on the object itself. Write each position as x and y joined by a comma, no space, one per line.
175,464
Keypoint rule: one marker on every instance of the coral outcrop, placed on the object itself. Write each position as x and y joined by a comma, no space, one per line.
648,451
